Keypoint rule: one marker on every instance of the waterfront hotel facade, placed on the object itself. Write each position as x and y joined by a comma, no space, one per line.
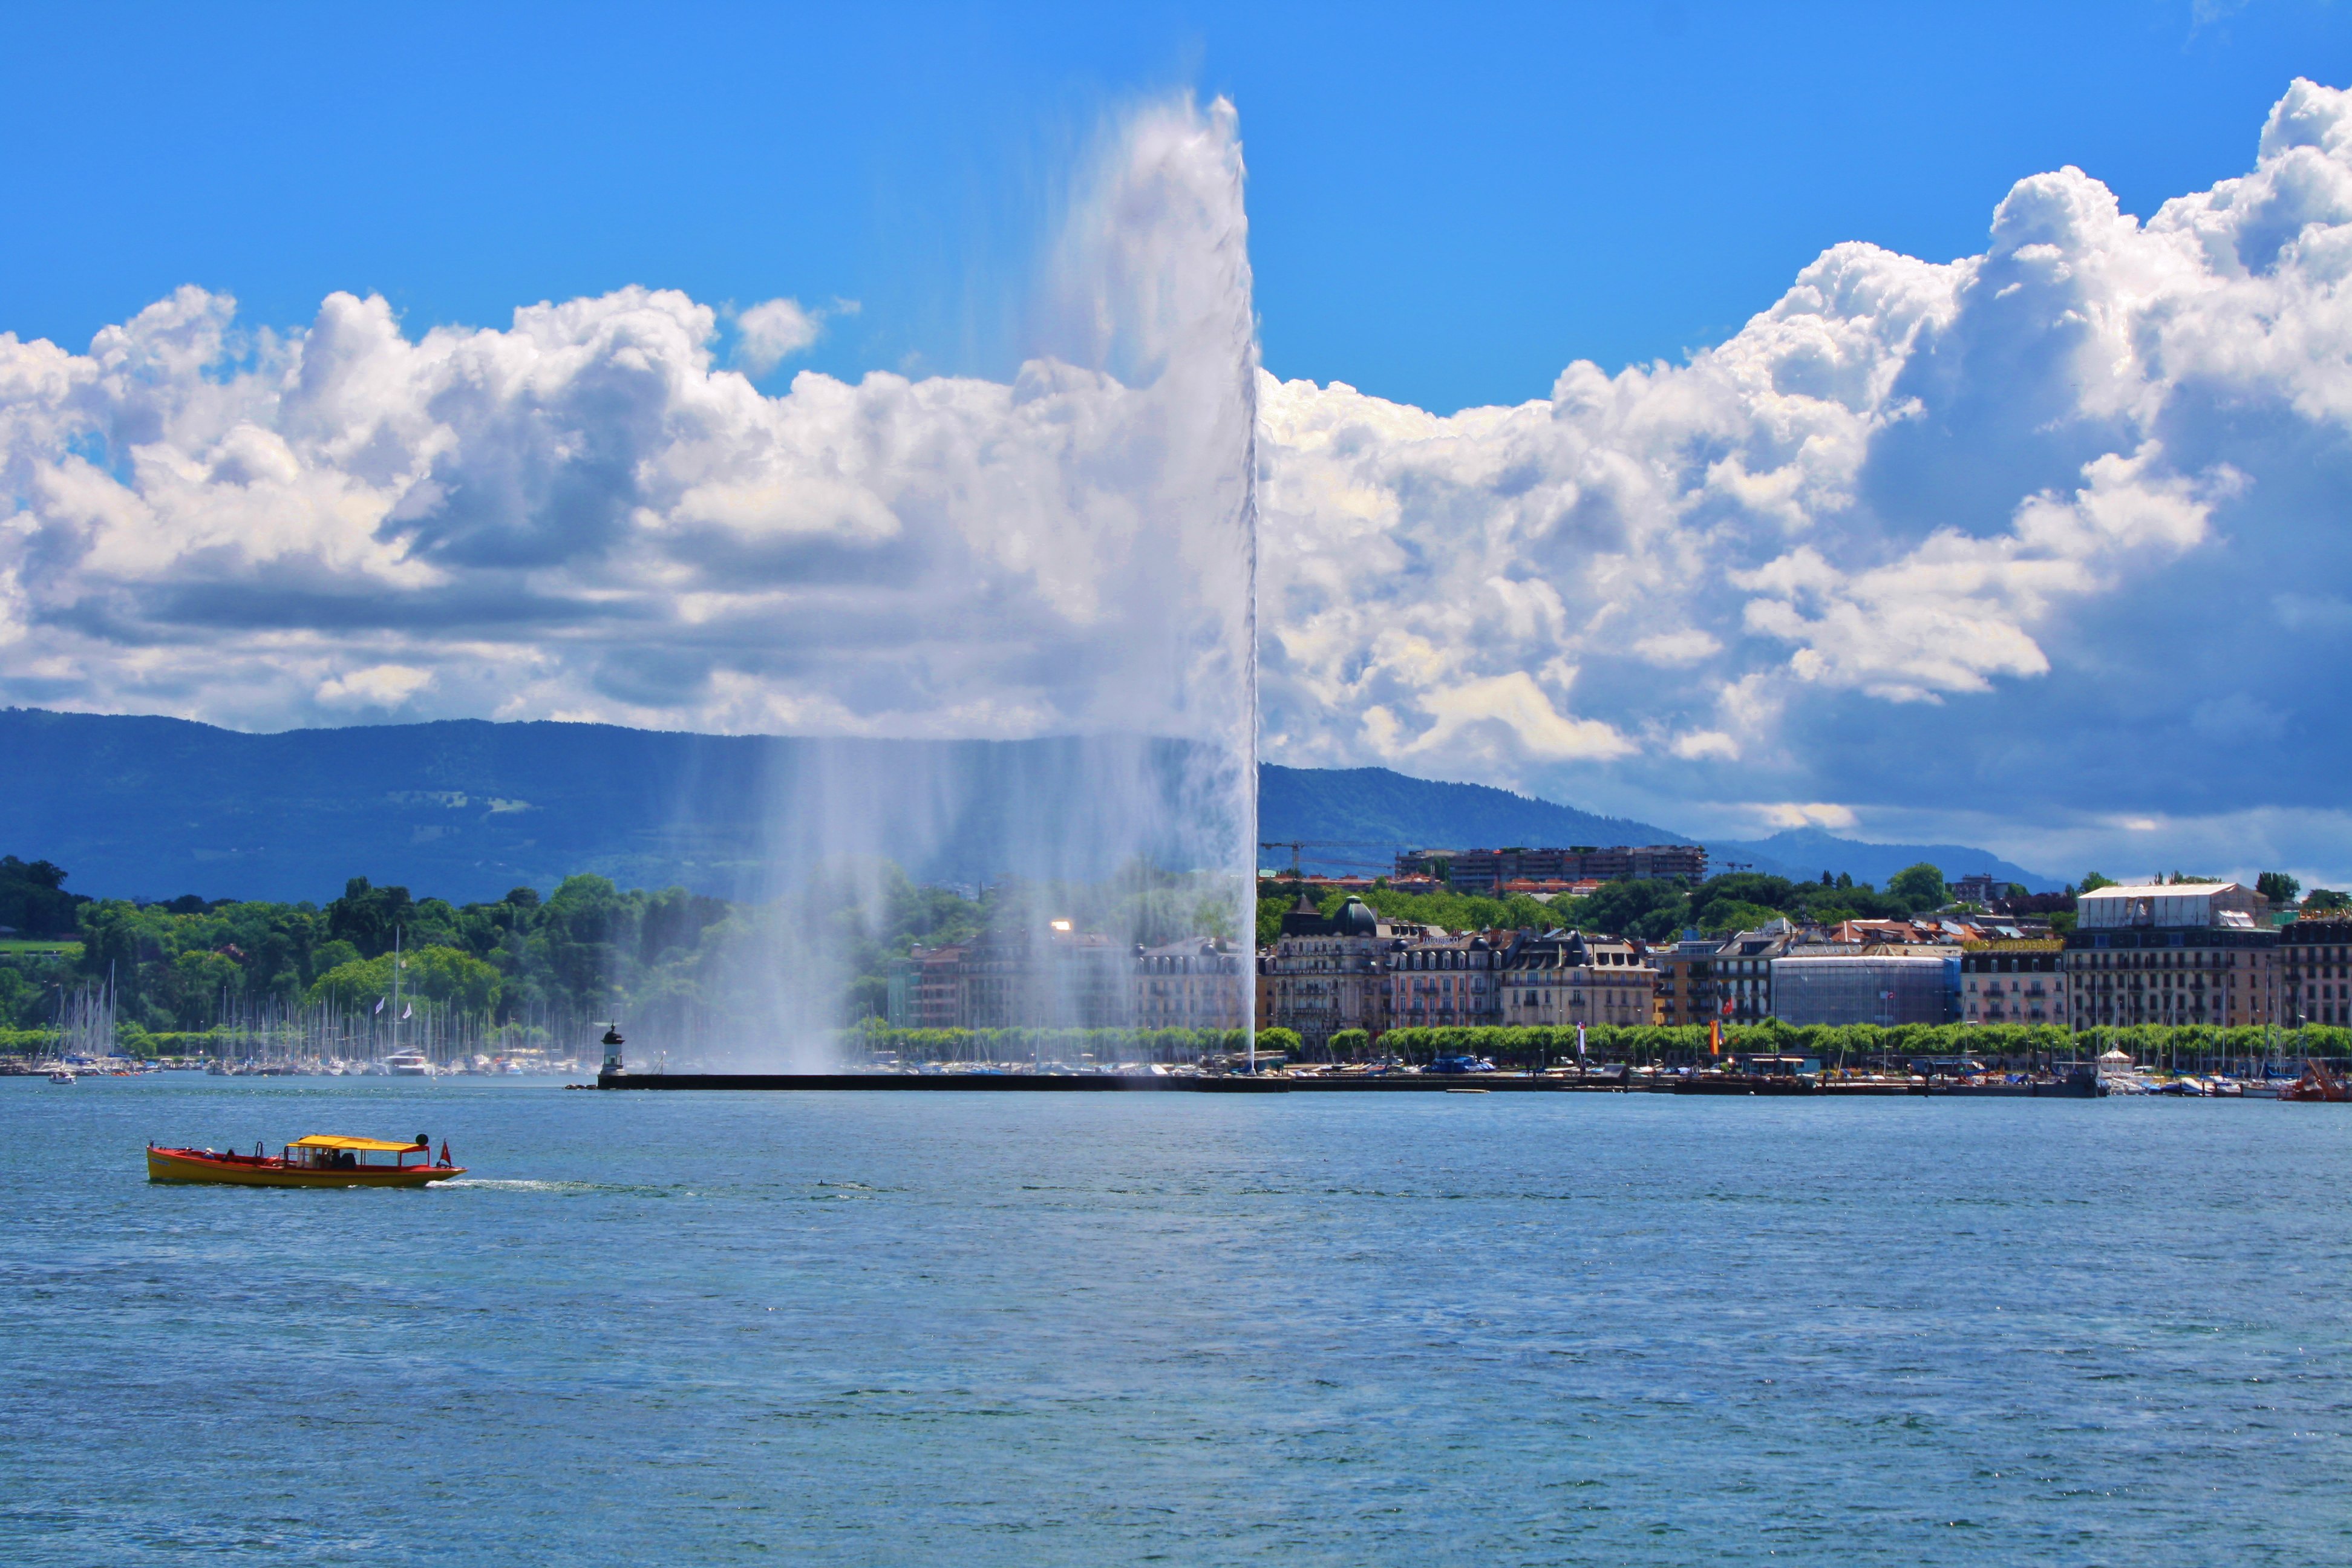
2177,953
2315,962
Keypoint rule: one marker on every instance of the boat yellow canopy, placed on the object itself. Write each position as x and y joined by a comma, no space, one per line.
357,1145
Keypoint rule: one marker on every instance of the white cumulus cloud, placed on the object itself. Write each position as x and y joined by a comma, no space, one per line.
2050,534
2055,524
769,333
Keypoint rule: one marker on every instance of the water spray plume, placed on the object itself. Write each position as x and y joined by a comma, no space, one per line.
1121,810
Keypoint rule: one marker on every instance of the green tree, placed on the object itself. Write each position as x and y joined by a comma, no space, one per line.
441,975
367,916
1919,887
32,898
1279,1042
2279,888
1652,909
1723,919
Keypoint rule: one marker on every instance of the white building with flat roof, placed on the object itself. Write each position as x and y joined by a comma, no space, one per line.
2170,904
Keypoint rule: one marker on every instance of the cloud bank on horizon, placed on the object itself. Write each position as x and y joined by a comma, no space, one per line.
2041,545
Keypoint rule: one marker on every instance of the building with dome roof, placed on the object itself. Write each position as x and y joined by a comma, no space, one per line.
1330,972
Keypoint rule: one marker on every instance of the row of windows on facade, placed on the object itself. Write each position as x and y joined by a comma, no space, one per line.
996,984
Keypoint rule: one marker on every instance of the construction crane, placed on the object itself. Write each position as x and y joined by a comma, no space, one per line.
1295,844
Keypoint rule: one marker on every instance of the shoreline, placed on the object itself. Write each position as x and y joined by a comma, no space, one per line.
1238,1083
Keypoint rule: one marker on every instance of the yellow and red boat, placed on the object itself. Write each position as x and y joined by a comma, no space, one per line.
318,1161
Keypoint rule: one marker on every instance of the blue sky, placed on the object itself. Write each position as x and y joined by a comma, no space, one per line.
1929,424
1445,207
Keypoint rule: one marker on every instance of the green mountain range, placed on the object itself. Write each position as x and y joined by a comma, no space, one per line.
465,809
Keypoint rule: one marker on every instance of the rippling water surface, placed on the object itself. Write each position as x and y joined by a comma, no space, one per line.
973,1328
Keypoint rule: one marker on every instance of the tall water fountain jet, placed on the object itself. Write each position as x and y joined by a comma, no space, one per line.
1049,660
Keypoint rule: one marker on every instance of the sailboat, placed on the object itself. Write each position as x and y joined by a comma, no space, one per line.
410,1063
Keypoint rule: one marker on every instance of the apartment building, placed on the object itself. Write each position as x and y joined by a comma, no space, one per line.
1563,978
2315,959
1064,979
1491,870
1192,984
2021,982
1686,989
926,988
1443,981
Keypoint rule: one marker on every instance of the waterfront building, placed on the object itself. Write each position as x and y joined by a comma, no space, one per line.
1687,988
926,989
1885,988
1703,979
1563,978
1329,973
2182,953
1014,979
1441,981
2013,982
2315,958
1192,984
1490,870
1742,971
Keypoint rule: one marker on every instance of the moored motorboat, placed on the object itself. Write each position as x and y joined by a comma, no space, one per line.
62,1075
2318,1084
319,1160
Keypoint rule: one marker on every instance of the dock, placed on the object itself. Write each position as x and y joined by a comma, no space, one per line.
1320,1083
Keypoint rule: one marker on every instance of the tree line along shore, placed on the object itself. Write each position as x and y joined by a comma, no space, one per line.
187,976
1534,1048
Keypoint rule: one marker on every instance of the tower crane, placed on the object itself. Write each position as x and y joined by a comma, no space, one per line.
1296,845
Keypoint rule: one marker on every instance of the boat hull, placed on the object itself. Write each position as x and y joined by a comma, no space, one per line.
193,1165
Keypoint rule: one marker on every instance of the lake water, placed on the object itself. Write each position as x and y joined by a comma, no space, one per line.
973,1330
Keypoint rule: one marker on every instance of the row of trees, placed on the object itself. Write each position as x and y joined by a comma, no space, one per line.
2147,1044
